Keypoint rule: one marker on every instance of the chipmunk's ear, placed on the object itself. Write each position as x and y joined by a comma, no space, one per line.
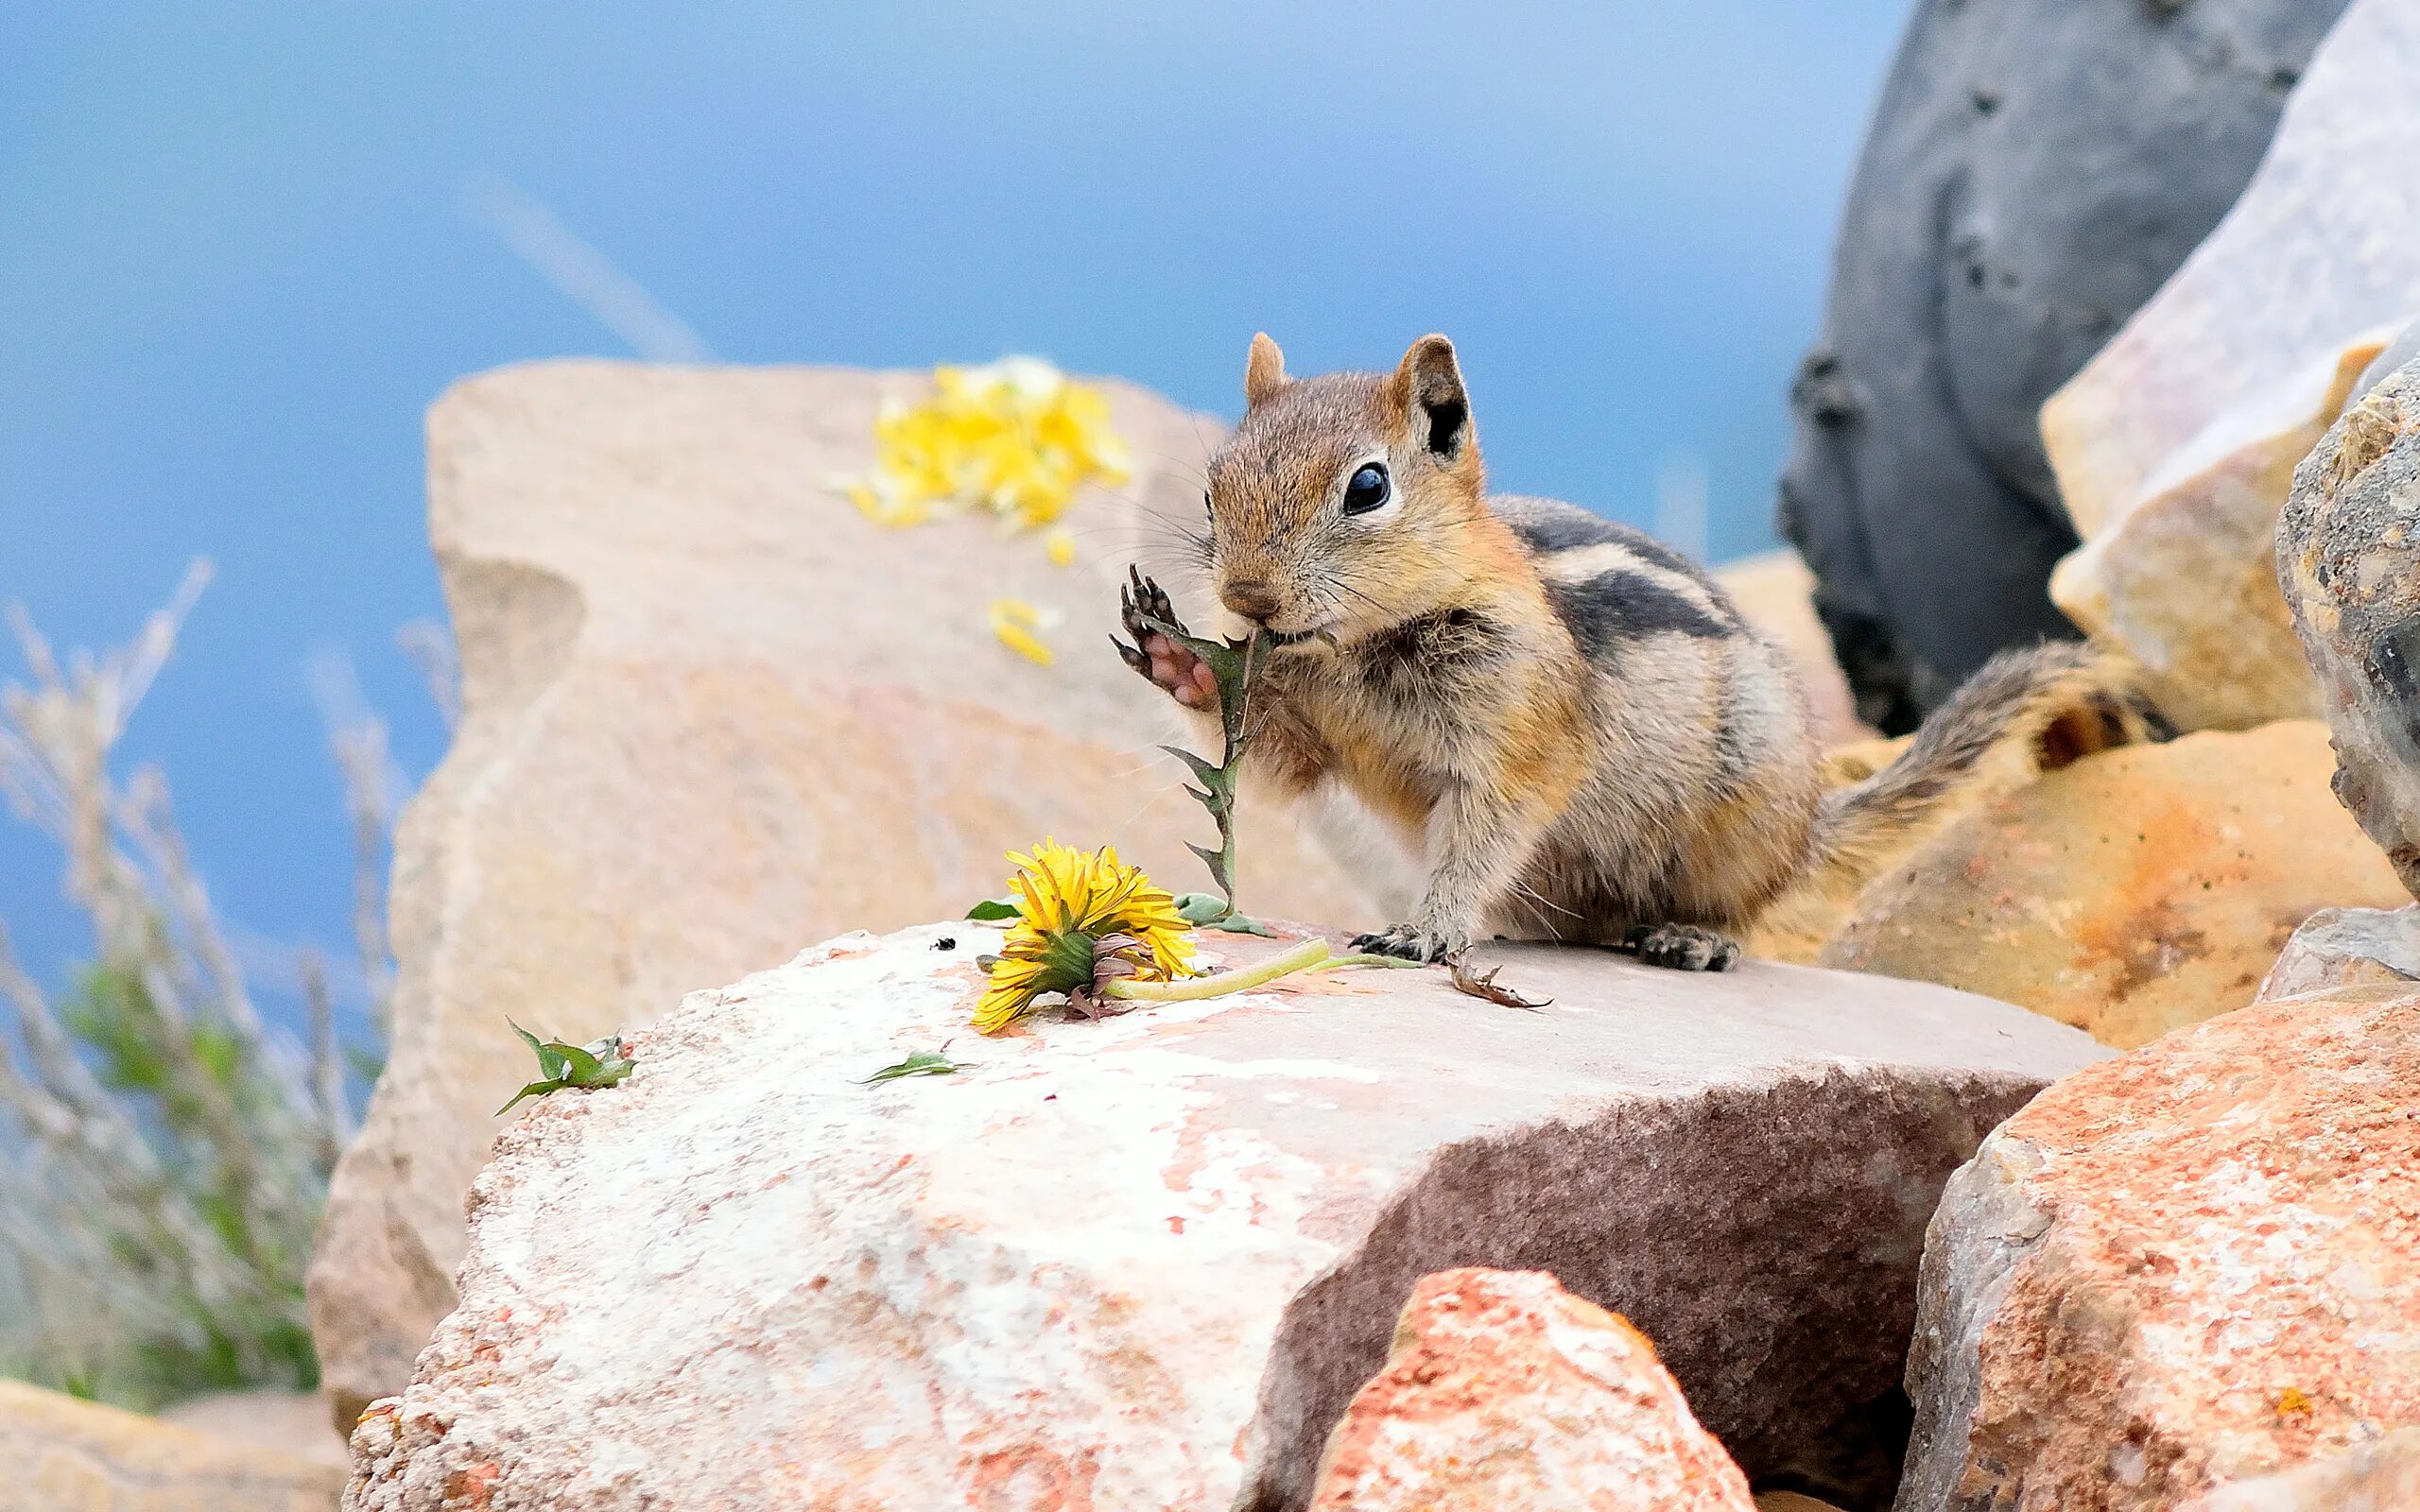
1264,371
1431,382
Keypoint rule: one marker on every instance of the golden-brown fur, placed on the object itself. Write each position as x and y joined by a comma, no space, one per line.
1569,720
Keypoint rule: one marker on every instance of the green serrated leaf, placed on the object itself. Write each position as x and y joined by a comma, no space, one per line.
1201,908
1203,771
551,1060
536,1088
919,1063
1238,924
991,910
578,1065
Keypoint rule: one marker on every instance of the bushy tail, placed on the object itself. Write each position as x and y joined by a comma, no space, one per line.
2021,713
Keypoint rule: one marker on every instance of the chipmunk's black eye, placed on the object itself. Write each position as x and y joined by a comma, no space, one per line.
1368,489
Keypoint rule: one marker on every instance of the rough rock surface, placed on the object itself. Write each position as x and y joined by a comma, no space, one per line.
1149,1260
2188,1266
2382,1476
2348,562
2130,892
2035,169
2175,446
2347,947
1505,1391
66,1456
1776,593
712,713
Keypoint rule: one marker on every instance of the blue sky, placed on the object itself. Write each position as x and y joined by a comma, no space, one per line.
236,266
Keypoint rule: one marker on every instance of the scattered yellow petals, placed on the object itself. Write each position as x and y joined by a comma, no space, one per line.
1016,438
1014,622
1061,546
2292,1403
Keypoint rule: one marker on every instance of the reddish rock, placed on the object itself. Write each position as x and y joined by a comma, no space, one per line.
1504,1390
2195,1264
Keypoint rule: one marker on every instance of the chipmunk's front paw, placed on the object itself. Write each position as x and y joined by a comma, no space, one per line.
1409,942
1182,675
1683,948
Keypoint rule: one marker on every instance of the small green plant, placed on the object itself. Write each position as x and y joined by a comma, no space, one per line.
919,1063
598,1063
164,1152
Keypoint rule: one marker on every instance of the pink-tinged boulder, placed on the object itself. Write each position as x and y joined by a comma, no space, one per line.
2174,447
710,714
1505,1391
2347,947
2195,1264
1149,1260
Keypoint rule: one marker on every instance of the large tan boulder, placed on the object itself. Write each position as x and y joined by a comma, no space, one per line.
1502,1390
2185,1267
2130,892
65,1455
711,714
1149,1260
2174,446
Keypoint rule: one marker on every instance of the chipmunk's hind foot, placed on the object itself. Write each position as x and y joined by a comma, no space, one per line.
1683,948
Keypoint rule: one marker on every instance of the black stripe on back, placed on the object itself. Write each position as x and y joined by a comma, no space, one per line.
1618,607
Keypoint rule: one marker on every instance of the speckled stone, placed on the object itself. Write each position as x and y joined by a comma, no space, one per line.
1504,1391
2194,1264
2348,562
1149,1260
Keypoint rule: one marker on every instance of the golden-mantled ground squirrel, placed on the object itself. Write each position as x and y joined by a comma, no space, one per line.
1568,719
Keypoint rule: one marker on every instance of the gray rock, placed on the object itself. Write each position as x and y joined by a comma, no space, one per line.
1150,1260
2348,562
2346,947
2036,170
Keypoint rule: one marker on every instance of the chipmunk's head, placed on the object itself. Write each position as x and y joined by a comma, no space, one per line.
1340,506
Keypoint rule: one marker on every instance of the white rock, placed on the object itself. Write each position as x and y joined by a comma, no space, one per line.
1148,1262
2175,446
710,715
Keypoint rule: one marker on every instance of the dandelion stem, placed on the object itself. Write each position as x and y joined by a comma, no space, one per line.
1309,953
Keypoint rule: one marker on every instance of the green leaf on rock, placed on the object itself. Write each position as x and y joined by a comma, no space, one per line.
598,1063
993,910
919,1063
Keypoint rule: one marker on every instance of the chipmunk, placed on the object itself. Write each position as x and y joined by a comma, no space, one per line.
1569,719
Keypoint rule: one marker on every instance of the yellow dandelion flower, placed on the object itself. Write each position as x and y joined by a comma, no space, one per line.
1082,916
1014,621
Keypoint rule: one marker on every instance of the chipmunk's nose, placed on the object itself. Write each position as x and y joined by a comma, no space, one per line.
1250,597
